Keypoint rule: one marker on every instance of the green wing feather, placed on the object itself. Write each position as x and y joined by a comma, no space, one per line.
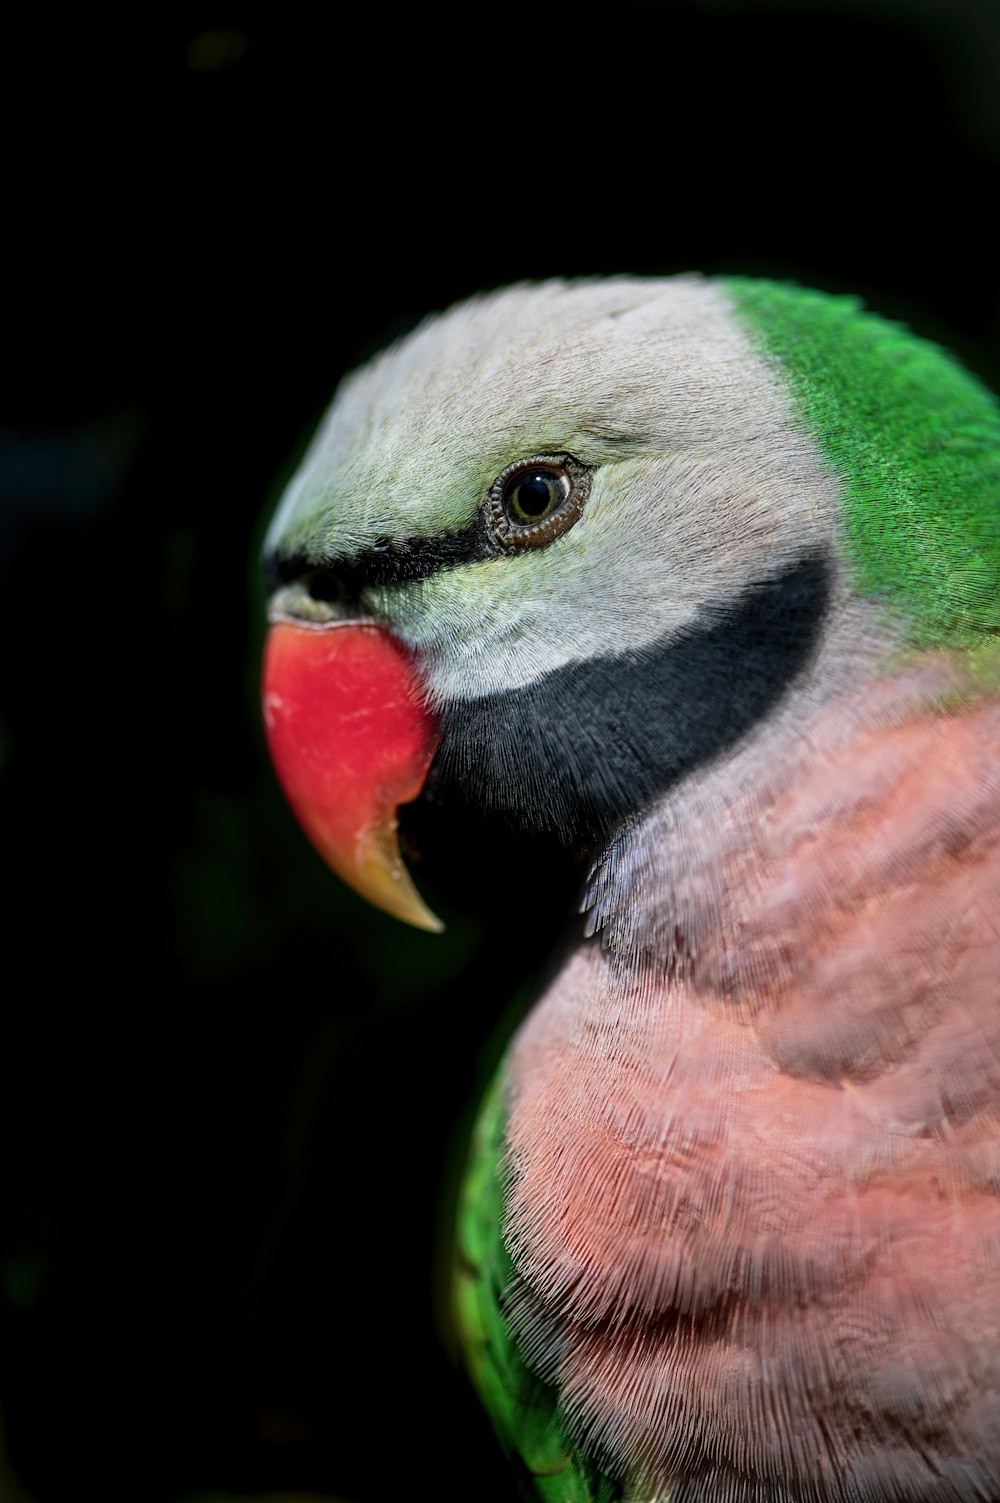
915,440
523,1409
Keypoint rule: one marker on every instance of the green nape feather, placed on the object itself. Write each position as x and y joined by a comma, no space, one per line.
915,442
522,1408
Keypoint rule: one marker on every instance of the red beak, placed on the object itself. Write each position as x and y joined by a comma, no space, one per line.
351,737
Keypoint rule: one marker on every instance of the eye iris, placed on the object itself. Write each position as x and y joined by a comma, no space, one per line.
534,495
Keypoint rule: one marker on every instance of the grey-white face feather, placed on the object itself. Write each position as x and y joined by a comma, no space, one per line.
702,481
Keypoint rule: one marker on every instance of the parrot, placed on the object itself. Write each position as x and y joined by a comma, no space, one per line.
687,587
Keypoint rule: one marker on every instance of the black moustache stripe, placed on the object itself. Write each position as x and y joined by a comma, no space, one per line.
588,745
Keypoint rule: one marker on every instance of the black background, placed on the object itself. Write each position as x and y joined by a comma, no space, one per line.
229,1090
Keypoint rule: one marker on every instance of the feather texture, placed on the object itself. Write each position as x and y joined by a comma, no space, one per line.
731,1230
754,1205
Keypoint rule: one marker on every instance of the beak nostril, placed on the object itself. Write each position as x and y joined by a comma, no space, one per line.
317,596
323,585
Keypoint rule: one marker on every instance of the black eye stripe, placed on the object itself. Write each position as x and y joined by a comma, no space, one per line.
418,558
386,563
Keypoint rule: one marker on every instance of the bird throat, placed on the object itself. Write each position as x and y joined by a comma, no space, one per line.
530,785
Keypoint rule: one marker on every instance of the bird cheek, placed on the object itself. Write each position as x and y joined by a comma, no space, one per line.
351,737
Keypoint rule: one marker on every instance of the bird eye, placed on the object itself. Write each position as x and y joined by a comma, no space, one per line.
535,500
531,495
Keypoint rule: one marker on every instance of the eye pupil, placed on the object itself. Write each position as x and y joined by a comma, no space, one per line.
534,494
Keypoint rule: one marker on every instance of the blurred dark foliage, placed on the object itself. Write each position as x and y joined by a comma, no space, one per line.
230,1093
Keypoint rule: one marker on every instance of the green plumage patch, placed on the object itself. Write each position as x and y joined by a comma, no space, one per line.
915,442
522,1408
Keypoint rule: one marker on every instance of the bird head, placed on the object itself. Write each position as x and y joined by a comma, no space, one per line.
557,549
